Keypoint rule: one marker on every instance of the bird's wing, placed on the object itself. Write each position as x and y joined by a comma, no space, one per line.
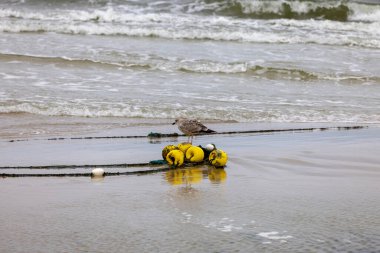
197,126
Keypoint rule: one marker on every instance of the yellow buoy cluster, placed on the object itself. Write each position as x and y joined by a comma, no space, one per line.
177,155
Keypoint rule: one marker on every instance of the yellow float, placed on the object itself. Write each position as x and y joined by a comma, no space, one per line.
195,154
218,158
184,146
167,149
175,158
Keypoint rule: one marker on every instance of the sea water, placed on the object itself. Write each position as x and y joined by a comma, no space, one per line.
227,61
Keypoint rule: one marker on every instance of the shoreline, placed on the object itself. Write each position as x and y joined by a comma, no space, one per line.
119,146
24,126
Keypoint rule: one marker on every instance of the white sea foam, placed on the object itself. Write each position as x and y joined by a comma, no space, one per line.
10,13
366,13
274,235
224,225
6,76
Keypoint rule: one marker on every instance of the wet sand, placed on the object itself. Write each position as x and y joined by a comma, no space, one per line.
284,192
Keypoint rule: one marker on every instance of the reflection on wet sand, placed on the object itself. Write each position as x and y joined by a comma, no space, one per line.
97,179
217,175
194,175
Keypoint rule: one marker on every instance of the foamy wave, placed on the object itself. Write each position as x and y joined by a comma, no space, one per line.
262,9
9,13
196,66
72,110
166,111
322,37
180,26
108,15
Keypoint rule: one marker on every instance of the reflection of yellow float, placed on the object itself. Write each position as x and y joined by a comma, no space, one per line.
174,177
193,176
218,158
217,175
184,176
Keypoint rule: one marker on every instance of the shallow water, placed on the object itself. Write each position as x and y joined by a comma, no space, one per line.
291,192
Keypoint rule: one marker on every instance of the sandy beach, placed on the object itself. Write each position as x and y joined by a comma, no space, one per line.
281,192
291,86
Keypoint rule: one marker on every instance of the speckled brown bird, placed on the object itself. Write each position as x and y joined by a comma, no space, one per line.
191,127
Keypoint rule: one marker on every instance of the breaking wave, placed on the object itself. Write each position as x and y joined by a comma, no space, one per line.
337,10
238,20
165,112
196,66
330,10
292,9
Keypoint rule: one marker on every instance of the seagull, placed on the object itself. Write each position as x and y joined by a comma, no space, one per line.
191,127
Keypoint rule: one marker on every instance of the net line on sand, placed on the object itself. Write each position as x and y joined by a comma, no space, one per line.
158,163
85,174
161,135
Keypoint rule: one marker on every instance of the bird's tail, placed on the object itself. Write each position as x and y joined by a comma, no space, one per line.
209,131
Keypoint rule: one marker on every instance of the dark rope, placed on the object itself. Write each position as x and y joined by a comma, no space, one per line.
294,130
160,135
89,174
139,172
120,165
